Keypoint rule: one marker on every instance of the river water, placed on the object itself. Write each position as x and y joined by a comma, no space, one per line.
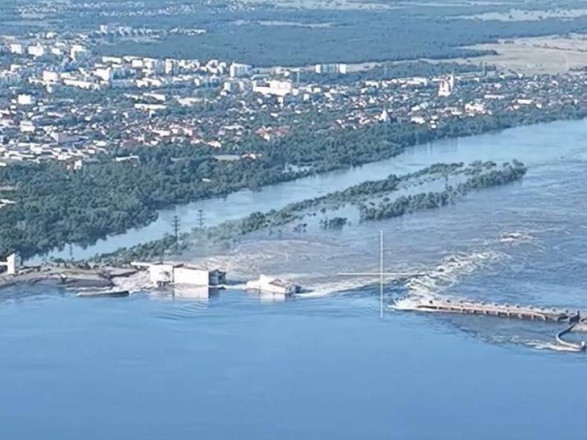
325,365
533,145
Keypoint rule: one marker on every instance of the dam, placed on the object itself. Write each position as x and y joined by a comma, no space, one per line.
500,310
530,313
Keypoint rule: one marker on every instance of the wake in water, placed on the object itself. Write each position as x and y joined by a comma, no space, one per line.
316,264
448,273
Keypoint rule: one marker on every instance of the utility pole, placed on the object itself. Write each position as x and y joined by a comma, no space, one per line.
176,224
201,218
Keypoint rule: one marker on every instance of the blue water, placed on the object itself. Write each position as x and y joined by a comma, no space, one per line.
154,367
234,368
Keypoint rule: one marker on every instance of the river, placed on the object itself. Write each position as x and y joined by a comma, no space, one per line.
324,365
533,145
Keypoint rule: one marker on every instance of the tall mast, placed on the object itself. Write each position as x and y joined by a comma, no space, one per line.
381,273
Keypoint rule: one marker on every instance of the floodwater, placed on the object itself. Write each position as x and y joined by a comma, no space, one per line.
324,365
533,145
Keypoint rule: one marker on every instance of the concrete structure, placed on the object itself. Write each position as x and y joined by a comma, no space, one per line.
193,276
50,77
275,88
36,51
331,68
237,70
499,310
78,52
16,48
105,74
24,100
446,87
513,312
12,264
162,274
64,138
170,66
27,127
266,284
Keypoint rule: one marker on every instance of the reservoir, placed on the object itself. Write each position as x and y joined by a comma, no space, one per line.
325,365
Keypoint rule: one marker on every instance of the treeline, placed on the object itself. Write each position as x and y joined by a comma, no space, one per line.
55,206
333,223
432,200
299,38
326,150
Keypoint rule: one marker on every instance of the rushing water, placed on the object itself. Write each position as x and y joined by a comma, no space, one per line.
324,365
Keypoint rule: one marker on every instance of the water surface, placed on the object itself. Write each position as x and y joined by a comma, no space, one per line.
324,365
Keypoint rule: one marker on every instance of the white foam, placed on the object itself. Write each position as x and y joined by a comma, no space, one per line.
539,345
449,272
516,237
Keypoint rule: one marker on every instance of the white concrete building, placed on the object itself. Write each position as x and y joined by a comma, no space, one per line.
12,264
27,127
194,276
446,86
78,52
162,274
274,88
331,68
104,74
36,50
50,77
24,100
237,70
16,48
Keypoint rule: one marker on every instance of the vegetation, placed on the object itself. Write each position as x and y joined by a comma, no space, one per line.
334,223
432,200
56,206
478,175
269,36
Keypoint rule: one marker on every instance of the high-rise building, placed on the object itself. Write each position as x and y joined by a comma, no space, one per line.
237,70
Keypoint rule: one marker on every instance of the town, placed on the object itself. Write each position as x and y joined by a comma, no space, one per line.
61,102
